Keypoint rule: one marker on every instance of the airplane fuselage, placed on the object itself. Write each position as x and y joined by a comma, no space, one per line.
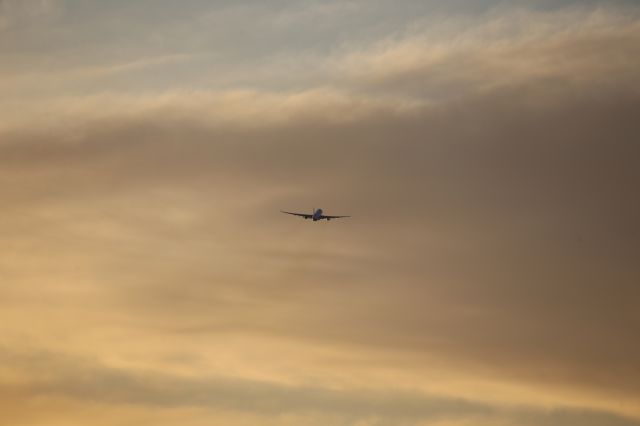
317,215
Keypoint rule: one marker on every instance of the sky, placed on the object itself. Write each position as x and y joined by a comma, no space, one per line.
487,151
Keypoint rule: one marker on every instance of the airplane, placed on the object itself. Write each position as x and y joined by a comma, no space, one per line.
315,216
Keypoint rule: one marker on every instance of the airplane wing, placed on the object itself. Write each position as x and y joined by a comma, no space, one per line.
305,215
331,217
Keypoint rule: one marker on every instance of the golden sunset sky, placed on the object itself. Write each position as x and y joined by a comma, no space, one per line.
488,151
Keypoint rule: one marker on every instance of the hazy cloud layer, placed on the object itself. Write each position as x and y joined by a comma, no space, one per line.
489,274
78,379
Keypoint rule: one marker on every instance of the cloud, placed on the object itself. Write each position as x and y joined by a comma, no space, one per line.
460,56
81,379
12,9
489,266
507,255
553,53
